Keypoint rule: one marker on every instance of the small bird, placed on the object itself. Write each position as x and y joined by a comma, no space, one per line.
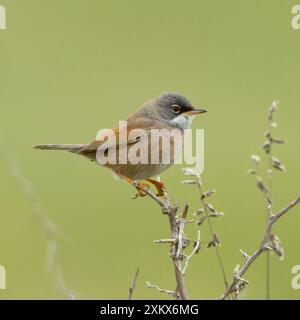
166,112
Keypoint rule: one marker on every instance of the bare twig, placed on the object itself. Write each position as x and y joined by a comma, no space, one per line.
209,212
203,196
169,292
272,165
189,257
270,184
133,285
238,283
164,241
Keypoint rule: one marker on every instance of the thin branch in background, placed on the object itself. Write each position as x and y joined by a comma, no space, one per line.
209,212
169,292
238,283
273,163
270,242
133,285
53,266
52,231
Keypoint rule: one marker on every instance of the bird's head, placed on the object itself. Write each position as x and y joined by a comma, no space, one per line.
176,109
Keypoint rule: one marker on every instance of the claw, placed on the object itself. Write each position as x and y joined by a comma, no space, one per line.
160,187
141,187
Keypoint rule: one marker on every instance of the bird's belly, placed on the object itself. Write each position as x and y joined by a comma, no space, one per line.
138,171
157,158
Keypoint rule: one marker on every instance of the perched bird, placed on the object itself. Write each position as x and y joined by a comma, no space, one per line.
165,113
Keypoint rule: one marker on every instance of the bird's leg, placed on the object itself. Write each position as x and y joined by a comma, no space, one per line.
160,186
140,187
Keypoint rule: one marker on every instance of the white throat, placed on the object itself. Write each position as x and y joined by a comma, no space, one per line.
182,121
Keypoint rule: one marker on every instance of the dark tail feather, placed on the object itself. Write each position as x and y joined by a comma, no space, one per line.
68,147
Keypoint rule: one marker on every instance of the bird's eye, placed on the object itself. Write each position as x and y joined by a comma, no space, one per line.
175,108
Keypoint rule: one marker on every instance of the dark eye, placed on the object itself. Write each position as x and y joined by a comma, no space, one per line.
175,108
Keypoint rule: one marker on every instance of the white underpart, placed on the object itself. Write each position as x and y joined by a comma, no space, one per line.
182,121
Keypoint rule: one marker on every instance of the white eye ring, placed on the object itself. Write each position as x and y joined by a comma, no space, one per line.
176,108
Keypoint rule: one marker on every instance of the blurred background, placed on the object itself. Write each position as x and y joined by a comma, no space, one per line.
71,67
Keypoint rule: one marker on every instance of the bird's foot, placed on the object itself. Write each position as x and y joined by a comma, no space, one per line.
140,187
160,187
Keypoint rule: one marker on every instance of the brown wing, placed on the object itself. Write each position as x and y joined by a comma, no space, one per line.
112,139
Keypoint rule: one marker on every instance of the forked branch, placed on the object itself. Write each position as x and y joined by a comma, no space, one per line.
238,283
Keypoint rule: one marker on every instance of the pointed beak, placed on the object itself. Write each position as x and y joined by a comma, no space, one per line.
195,111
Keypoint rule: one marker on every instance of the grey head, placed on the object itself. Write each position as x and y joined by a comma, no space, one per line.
170,108
176,109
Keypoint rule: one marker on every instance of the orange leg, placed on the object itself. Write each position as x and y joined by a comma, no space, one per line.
139,186
160,186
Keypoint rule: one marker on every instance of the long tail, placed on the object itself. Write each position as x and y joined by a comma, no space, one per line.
68,147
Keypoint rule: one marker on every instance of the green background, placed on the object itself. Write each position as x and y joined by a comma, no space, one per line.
71,67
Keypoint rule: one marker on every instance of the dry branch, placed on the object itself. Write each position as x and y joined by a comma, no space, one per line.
209,212
176,227
160,290
196,249
238,282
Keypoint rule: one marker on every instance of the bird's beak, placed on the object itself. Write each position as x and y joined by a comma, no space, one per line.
195,111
